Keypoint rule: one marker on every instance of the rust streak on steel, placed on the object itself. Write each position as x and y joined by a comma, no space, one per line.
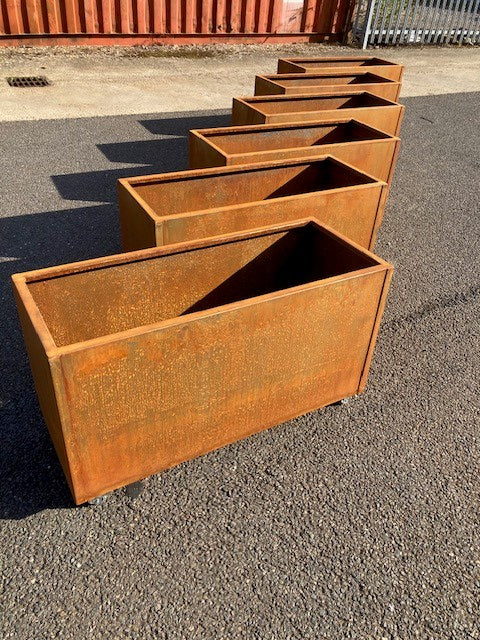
137,358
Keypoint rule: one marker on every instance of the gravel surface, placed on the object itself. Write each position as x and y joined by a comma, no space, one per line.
360,521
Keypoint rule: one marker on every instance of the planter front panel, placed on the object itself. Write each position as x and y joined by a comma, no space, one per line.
379,67
356,213
252,197
371,151
298,84
289,109
171,395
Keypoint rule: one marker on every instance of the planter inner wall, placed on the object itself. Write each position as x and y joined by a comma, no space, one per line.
107,300
345,62
312,80
317,103
296,136
169,197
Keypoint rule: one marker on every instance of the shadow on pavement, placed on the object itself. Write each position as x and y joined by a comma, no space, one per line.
30,474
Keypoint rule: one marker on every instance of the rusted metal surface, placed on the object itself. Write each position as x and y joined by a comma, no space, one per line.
139,363
186,205
366,148
130,22
378,66
326,82
377,112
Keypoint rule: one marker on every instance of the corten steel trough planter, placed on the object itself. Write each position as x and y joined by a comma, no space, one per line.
318,83
377,112
175,207
364,147
144,360
378,66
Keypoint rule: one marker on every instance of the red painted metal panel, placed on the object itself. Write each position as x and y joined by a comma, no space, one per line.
73,17
14,16
277,8
33,13
108,12
175,22
308,17
206,16
235,16
263,12
249,20
179,21
54,17
220,25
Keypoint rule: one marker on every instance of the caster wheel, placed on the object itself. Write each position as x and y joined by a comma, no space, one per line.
135,489
341,402
94,502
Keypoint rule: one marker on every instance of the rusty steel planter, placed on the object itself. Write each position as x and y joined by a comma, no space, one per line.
377,112
187,205
318,83
144,360
378,66
364,147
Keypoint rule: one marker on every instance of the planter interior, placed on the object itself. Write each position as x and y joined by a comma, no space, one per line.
199,192
103,300
344,62
281,104
273,138
306,80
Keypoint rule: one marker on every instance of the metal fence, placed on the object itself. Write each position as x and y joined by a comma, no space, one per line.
417,22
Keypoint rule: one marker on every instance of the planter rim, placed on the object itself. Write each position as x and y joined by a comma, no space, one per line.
277,77
21,280
385,102
278,126
191,174
379,61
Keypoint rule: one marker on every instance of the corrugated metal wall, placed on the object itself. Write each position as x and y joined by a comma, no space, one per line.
130,21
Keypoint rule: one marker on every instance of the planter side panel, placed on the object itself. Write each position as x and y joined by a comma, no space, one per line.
143,404
352,212
47,377
243,113
138,228
201,154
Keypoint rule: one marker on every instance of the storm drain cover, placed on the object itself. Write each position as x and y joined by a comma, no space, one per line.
28,81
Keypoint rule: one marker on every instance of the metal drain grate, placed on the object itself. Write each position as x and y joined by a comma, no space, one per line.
28,81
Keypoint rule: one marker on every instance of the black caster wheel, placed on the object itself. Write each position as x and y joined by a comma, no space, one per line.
135,489
94,502
340,402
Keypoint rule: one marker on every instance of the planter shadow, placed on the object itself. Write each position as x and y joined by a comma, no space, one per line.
31,477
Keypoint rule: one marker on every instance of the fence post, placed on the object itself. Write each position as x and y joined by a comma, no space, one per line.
368,22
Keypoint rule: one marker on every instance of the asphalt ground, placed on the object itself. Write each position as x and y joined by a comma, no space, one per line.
360,521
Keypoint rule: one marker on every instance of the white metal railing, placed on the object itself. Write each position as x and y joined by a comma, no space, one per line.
417,22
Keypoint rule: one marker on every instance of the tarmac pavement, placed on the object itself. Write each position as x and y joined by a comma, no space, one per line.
359,521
